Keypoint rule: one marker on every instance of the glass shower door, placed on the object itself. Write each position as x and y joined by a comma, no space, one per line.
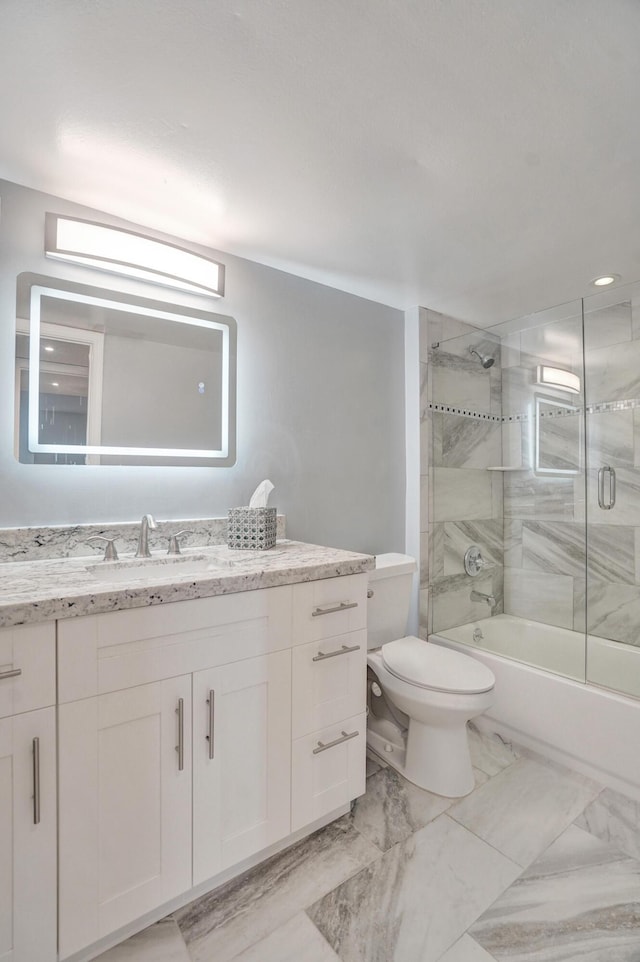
612,377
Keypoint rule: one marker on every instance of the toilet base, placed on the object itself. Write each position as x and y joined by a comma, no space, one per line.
428,762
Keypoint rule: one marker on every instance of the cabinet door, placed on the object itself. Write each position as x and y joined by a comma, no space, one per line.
28,837
242,749
125,807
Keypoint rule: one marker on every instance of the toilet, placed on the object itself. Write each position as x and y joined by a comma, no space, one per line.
420,695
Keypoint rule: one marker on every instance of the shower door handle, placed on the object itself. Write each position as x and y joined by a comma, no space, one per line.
606,473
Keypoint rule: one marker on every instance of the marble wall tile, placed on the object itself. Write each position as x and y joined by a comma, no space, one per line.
517,389
635,316
461,494
228,920
425,614
460,382
513,543
579,900
161,942
510,350
559,444
557,547
425,560
613,611
437,555
425,503
425,388
415,901
298,940
460,535
556,342
465,442
523,808
610,438
636,437
451,602
609,325
613,373
512,452
615,819
545,499
611,553
497,494
426,444
539,596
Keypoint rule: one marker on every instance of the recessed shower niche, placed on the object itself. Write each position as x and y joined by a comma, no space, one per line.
108,378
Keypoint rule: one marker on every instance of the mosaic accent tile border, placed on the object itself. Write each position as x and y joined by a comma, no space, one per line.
600,407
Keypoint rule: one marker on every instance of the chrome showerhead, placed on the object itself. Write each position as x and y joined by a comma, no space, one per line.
484,359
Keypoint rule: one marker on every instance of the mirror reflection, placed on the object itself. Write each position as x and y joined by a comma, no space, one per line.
106,379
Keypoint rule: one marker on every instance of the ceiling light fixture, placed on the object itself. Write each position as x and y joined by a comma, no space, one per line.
605,280
134,255
558,377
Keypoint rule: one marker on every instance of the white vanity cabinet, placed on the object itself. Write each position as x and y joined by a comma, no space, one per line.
174,746
329,696
27,794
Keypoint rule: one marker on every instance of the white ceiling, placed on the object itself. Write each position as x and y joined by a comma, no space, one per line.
479,157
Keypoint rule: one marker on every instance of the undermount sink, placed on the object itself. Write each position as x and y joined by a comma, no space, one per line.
165,566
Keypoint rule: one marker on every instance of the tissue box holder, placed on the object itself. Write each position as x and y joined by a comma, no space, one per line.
252,528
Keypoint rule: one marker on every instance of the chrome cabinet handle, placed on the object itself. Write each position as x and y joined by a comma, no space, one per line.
322,656
337,741
36,780
180,745
212,711
606,470
343,606
13,673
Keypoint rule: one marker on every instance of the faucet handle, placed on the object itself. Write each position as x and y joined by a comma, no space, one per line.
174,545
110,553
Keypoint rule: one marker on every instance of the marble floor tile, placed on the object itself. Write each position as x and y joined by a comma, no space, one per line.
525,807
466,949
579,900
225,922
616,819
393,808
489,752
417,900
374,763
298,940
161,942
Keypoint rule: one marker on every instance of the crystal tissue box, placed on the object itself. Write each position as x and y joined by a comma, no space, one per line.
252,528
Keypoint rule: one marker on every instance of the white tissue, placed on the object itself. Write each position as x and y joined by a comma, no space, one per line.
260,496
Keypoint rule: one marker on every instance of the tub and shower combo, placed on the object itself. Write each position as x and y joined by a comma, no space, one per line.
530,506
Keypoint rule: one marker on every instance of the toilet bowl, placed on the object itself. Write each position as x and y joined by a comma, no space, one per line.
426,694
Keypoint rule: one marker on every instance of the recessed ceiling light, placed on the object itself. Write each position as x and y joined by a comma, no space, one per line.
605,280
47,348
55,384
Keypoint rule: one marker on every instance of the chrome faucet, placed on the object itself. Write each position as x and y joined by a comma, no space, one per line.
480,596
147,522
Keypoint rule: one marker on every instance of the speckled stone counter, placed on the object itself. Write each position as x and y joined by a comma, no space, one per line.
32,591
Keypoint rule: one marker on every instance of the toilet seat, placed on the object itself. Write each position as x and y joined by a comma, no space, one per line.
434,667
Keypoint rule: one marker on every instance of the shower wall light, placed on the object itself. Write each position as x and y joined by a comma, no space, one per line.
558,377
134,255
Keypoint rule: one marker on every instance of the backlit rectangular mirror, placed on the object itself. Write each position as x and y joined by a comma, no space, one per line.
107,378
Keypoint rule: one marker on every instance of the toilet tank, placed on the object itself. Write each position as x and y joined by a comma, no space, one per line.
388,607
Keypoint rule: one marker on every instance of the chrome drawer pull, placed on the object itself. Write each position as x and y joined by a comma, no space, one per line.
212,710
36,781
329,611
180,745
10,674
337,741
321,656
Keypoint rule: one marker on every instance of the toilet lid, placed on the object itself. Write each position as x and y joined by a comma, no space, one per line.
431,666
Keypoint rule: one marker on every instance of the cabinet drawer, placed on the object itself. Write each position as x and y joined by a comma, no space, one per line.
328,770
27,668
329,681
333,606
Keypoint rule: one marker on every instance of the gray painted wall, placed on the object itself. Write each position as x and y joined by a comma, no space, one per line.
320,405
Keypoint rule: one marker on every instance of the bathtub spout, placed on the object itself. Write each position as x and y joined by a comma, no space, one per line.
480,596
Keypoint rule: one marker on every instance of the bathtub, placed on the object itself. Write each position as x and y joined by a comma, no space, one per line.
543,702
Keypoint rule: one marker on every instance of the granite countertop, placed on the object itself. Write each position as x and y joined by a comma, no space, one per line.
32,591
